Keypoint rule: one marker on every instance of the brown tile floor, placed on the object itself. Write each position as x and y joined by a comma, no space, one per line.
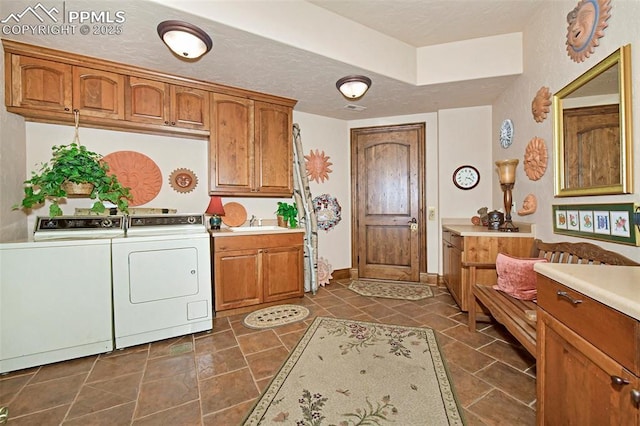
214,378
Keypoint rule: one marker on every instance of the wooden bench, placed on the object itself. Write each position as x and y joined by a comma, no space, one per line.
519,316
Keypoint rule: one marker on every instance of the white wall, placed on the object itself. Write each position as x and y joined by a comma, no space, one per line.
547,64
332,137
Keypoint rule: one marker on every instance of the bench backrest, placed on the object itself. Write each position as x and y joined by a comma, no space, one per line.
585,253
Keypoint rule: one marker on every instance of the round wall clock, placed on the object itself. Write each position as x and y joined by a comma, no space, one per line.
466,177
506,133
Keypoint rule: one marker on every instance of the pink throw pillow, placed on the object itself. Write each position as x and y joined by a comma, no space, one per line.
516,276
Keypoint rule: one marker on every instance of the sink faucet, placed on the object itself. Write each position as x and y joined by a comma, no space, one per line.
252,221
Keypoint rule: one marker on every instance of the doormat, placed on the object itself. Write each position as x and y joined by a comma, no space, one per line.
345,372
391,290
275,316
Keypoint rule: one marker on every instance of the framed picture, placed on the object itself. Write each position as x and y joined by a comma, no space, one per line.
602,222
586,220
607,222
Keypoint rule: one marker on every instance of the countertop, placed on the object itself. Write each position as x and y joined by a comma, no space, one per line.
466,229
226,232
615,286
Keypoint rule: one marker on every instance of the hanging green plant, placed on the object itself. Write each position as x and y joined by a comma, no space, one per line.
73,163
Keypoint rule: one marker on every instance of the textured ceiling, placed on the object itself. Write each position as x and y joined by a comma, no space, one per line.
246,60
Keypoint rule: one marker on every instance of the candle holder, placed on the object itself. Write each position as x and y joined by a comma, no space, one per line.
507,176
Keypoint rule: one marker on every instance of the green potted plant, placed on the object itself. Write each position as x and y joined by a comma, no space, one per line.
73,164
288,213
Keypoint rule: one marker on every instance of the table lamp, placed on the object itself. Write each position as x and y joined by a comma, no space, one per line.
216,210
507,176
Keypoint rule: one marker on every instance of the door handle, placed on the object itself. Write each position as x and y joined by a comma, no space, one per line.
413,224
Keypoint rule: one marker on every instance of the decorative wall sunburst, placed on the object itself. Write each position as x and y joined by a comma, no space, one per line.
540,104
183,180
535,158
317,165
587,22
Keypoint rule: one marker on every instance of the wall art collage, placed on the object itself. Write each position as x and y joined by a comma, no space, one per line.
608,222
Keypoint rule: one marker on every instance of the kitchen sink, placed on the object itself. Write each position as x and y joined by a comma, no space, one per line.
257,228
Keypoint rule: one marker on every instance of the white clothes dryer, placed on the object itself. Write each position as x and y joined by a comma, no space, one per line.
161,283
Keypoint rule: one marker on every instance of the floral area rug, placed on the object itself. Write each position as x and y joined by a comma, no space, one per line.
274,316
345,372
391,290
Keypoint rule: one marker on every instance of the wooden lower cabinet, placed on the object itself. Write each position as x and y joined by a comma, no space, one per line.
579,382
458,249
253,269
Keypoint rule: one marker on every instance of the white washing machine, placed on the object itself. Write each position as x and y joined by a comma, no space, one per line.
55,292
161,279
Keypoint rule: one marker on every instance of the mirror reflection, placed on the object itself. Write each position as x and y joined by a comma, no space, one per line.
592,132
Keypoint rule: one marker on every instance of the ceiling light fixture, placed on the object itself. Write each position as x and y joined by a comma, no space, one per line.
184,39
353,87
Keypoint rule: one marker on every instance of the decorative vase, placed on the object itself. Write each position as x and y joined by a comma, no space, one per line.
282,222
77,190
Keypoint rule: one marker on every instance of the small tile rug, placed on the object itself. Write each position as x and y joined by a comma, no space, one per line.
391,289
275,316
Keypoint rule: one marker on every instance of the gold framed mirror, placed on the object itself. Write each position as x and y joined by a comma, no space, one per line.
593,132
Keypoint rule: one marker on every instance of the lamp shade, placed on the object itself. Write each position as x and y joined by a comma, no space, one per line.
215,206
353,87
507,171
184,39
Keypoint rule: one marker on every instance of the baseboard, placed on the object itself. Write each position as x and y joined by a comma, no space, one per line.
341,274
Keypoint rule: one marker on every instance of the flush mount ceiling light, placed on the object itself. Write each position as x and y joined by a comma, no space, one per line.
353,87
184,39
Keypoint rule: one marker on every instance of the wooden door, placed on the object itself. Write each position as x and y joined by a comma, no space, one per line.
98,93
41,84
147,101
283,275
387,174
274,149
575,385
237,279
231,145
592,146
189,108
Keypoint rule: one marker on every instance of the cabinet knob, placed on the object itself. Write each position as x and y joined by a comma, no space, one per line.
173,123
166,122
67,109
635,396
568,297
619,381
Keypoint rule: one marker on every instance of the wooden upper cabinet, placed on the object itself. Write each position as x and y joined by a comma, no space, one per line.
147,101
251,150
189,107
231,145
274,149
155,102
98,93
40,84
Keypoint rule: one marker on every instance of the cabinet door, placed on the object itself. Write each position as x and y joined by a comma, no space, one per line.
147,101
98,93
455,279
189,108
274,149
40,84
575,383
237,279
283,275
231,145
